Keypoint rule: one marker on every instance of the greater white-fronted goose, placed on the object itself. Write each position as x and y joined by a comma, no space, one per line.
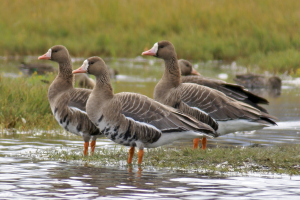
231,115
133,119
68,104
234,91
256,81
84,81
187,69
39,68
113,72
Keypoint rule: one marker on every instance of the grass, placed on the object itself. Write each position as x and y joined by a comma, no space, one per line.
282,159
263,33
24,104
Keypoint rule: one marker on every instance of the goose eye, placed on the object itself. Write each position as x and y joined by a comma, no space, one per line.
55,51
91,63
161,46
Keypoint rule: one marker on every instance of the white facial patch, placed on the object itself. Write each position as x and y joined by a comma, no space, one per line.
85,65
155,47
49,52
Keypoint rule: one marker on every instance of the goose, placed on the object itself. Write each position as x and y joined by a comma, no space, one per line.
133,119
255,81
68,104
187,69
230,114
113,73
84,81
29,68
234,91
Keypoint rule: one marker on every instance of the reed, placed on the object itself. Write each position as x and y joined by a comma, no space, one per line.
252,32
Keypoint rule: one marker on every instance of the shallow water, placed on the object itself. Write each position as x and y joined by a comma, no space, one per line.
23,175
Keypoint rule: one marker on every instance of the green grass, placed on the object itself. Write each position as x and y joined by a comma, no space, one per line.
282,159
24,104
264,33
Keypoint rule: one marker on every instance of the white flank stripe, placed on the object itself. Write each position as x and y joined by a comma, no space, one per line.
144,124
77,109
232,126
167,138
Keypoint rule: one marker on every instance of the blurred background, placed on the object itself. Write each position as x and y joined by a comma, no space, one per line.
253,33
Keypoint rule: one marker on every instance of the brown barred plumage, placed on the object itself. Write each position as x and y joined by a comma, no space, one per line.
199,101
67,103
133,119
234,91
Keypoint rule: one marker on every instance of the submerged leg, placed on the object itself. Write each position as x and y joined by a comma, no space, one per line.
86,147
140,155
131,152
93,145
139,172
204,142
196,143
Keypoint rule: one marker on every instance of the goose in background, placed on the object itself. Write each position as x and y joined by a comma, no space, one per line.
254,81
39,68
68,104
133,119
234,91
260,84
84,81
187,69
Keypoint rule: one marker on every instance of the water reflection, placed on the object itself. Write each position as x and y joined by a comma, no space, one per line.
52,179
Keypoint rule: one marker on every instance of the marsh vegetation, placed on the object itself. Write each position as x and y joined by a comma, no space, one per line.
256,33
281,159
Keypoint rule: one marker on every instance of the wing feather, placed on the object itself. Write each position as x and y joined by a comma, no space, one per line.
153,118
234,91
218,105
79,97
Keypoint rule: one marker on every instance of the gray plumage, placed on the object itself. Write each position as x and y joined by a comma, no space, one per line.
172,92
234,91
253,81
68,104
133,119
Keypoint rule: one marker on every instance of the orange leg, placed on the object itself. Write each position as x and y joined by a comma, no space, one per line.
139,172
131,152
204,142
140,155
93,145
196,143
86,147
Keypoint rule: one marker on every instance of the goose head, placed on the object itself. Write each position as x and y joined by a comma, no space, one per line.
57,53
